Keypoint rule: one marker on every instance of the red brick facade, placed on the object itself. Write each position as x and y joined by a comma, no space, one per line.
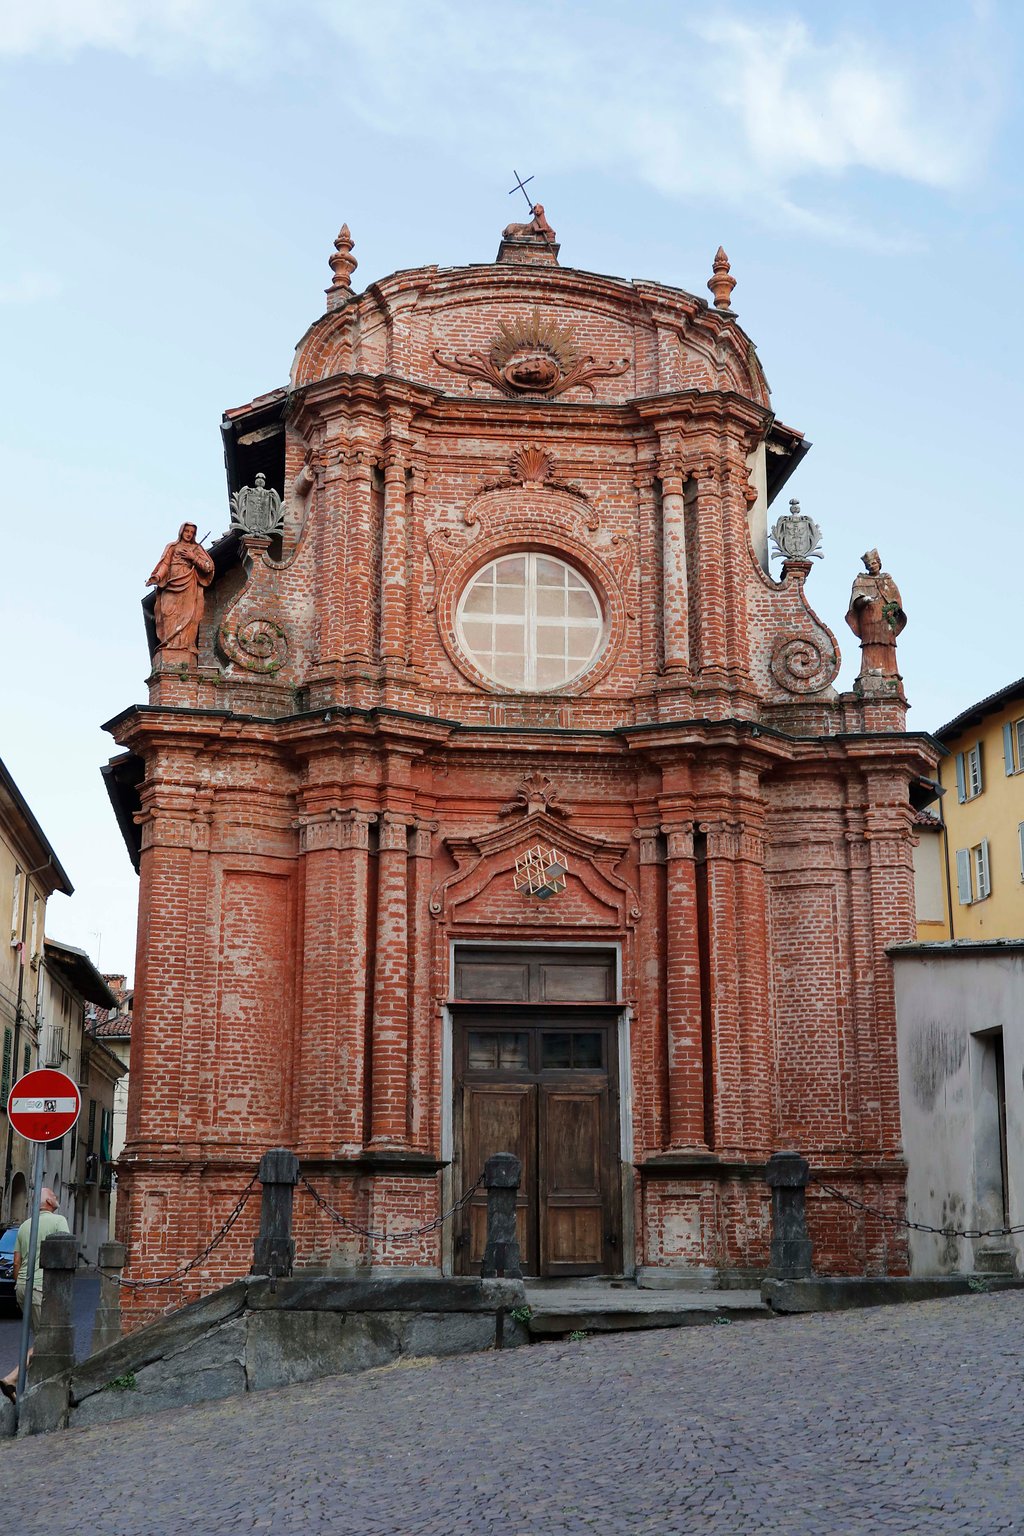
336,796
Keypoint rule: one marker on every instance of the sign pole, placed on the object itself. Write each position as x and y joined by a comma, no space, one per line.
30,1265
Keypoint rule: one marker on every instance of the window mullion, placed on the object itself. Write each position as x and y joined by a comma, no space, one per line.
531,621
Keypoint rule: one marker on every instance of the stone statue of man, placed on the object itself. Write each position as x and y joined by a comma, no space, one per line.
876,617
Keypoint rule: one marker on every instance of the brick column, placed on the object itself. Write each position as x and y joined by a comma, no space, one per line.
421,1053
651,629
165,1001
650,1044
355,598
890,854
390,1030
330,531
335,850
393,558
734,481
683,1011
739,989
674,580
710,576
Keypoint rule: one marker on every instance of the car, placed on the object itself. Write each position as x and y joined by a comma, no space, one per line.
8,1237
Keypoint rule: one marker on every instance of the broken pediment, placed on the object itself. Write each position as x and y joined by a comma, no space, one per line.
482,890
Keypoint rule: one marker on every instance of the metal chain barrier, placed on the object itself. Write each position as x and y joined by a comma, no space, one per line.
179,1274
914,1226
390,1237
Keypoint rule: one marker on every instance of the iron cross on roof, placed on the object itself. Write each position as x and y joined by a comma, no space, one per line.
520,186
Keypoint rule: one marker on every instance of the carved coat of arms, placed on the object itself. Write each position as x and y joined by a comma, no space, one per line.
257,508
796,536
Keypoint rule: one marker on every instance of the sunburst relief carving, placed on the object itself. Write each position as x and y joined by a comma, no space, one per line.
535,356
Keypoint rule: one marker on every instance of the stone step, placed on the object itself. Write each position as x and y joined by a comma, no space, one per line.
586,1307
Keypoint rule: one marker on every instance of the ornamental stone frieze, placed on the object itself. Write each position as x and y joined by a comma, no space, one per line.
335,829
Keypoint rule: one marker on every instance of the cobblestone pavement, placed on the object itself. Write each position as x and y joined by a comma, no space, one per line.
898,1419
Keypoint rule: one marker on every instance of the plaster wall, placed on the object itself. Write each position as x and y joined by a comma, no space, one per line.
996,815
930,886
948,1002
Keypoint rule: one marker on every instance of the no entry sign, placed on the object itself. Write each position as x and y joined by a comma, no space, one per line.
44,1104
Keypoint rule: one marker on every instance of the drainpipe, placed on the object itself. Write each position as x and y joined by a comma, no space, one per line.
15,1074
945,860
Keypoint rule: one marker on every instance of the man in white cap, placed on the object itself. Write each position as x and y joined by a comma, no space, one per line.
50,1222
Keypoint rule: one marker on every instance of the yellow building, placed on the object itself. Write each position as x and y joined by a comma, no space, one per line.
30,872
982,811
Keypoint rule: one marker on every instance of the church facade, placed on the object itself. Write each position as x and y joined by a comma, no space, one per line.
491,794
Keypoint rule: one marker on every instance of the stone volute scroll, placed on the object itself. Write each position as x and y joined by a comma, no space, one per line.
876,617
180,576
257,509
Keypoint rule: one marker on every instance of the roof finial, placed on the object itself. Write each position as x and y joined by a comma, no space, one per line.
343,264
720,283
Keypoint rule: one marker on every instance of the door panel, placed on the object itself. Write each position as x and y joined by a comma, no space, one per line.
572,1197
500,1117
540,1084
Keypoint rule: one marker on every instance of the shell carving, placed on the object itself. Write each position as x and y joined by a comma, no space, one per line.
531,464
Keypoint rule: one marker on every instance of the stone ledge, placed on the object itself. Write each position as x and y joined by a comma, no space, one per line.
168,1336
840,1293
327,1293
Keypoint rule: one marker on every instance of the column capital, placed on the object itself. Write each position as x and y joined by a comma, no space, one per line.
679,839
334,829
394,831
649,841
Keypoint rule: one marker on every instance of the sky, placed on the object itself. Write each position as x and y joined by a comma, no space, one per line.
174,174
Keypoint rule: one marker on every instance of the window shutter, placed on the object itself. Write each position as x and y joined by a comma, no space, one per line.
1008,749
963,876
984,879
5,1070
1020,839
979,762
961,780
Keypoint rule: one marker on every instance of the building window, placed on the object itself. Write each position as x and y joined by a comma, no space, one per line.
530,622
16,903
969,781
1013,747
973,877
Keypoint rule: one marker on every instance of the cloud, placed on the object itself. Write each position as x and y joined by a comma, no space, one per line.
762,113
29,288
220,34
754,107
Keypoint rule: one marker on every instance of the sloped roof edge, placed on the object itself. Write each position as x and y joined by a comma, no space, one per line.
977,712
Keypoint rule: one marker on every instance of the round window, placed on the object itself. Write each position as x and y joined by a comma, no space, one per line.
530,622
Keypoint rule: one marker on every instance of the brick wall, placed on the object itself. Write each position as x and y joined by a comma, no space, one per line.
326,810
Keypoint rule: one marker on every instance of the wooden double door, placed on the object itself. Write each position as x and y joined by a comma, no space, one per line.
543,1084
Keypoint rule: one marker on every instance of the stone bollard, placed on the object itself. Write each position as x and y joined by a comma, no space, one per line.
106,1328
274,1249
787,1175
54,1348
502,1173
